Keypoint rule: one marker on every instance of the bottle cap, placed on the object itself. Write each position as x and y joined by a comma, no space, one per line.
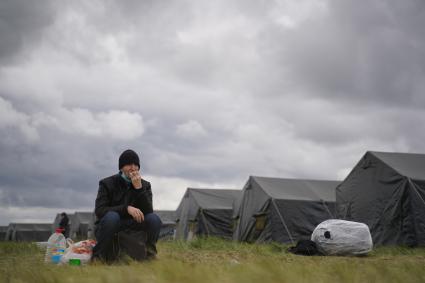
59,230
74,261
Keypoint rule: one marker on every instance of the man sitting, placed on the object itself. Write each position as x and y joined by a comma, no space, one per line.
124,202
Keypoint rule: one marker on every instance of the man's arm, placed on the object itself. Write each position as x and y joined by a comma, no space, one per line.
103,201
144,198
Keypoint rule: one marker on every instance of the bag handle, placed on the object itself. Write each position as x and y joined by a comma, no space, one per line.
69,242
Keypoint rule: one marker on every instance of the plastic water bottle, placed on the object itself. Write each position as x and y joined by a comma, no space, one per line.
56,246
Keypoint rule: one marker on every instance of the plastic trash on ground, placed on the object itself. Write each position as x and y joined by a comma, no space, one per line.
55,247
341,237
78,252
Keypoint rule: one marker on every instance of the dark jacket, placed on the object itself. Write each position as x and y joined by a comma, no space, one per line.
64,222
115,194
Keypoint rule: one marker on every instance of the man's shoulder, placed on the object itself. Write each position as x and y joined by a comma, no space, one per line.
111,179
146,184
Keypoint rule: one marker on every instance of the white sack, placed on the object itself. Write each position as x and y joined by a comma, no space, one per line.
341,237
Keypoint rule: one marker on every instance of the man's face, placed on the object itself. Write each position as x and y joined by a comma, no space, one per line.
129,168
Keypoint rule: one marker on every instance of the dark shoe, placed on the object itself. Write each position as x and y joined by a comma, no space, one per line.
151,252
151,257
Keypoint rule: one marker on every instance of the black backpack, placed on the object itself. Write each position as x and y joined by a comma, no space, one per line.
132,243
305,247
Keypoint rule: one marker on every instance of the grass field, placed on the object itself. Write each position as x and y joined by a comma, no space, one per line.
214,260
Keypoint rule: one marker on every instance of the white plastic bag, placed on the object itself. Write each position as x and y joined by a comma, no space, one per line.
341,237
82,250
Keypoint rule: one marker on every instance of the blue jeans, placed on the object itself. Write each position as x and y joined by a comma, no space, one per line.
111,223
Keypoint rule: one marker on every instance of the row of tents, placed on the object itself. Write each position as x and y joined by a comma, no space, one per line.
267,209
81,226
384,190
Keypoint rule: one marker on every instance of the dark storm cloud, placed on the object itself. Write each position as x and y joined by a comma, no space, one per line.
357,52
21,26
207,92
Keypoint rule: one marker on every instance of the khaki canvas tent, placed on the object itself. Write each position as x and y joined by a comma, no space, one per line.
28,232
81,227
386,191
206,212
282,210
3,230
168,219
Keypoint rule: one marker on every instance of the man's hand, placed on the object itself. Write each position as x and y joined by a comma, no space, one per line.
136,179
136,213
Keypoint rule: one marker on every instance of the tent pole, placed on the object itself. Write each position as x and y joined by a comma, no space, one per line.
205,222
283,221
326,207
414,188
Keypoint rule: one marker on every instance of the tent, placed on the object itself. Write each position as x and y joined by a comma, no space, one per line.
168,218
282,210
205,212
386,191
31,232
91,227
81,227
235,215
9,232
3,230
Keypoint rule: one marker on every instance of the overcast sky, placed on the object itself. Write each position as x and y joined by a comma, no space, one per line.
207,92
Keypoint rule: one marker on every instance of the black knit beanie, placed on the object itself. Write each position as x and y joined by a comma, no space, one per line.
128,157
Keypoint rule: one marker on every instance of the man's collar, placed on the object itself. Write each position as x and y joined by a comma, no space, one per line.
125,177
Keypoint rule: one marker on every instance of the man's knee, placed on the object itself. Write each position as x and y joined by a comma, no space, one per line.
111,220
153,221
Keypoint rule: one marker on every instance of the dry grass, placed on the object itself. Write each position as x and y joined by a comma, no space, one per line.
213,260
